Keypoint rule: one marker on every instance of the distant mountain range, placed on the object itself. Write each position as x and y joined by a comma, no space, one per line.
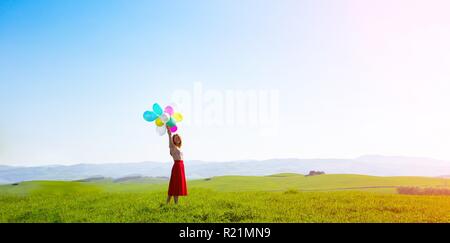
368,165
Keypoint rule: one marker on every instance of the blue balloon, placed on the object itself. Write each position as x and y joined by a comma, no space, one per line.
150,116
157,109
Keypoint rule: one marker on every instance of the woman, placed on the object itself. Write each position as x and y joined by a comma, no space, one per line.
177,184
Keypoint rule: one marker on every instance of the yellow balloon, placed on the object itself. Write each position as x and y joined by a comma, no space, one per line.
177,116
159,122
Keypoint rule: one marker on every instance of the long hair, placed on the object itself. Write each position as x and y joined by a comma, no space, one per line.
176,143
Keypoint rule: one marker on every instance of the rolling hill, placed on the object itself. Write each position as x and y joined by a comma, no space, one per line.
272,183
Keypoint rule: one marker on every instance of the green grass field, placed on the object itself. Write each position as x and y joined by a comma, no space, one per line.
277,198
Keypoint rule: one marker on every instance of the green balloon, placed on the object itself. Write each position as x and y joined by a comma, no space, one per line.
171,122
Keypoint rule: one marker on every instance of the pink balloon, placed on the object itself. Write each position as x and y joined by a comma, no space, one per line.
173,129
168,110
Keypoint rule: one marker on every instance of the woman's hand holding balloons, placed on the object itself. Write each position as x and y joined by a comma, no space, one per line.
164,120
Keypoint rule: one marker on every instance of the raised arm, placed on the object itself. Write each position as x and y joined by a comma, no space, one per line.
169,133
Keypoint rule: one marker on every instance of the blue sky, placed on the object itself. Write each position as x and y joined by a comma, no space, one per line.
355,77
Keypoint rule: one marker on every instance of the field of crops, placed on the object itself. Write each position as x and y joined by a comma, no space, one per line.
278,198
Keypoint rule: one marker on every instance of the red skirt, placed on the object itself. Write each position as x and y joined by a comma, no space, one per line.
177,184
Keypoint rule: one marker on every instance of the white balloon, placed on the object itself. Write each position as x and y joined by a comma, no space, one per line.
165,117
161,130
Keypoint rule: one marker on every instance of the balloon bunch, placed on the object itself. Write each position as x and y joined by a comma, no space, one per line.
168,117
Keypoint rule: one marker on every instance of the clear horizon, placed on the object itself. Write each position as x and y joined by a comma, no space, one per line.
353,78
218,161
